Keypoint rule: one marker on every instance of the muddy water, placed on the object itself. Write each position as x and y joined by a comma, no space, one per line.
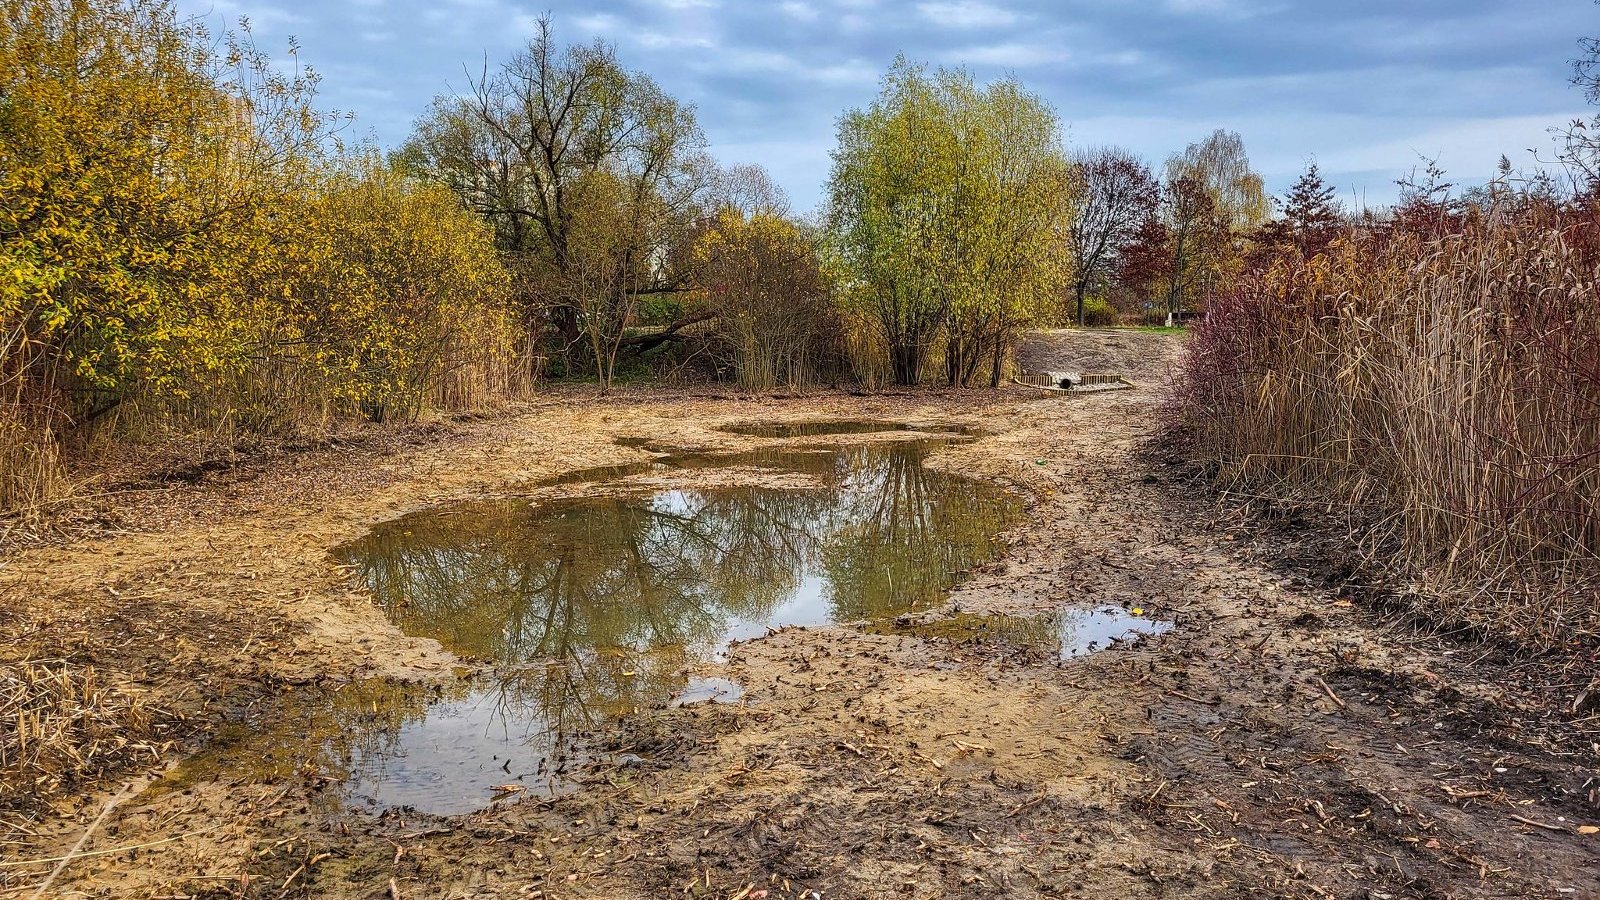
846,427
592,606
813,429
1065,635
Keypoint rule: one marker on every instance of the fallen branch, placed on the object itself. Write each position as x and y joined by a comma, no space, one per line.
646,342
110,850
1331,695
1545,825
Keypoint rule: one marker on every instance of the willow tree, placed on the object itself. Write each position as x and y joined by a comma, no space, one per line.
1221,167
1015,219
1211,199
945,216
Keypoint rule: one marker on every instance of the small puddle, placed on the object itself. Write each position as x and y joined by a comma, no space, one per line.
828,429
1083,632
591,607
598,473
1065,635
708,690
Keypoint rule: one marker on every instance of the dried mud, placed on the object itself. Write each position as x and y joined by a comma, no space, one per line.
1279,741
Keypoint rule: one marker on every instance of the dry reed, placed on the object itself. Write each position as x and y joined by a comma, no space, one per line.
1441,396
60,723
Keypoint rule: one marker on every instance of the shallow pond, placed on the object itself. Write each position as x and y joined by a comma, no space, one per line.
592,606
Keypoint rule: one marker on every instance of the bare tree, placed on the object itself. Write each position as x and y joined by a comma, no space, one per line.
536,144
750,190
1117,193
1580,149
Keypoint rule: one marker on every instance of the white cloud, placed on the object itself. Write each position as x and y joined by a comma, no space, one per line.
966,14
795,9
656,40
1010,54
1054,51
778,63
598,23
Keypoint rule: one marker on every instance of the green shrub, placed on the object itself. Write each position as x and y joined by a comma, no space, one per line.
1099,313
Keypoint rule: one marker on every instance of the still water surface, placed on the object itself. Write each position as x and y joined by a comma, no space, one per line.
592,606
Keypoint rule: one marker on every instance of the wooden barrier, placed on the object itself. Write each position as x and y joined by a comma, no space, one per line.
1073,381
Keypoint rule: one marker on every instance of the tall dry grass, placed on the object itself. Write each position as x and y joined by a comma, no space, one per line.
1440,395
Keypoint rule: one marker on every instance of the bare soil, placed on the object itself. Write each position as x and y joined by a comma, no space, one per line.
1280,741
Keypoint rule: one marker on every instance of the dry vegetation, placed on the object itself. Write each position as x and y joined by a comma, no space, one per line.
1278,742
61,724
1436,389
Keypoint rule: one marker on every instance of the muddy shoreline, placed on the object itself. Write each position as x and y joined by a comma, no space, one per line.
1278,742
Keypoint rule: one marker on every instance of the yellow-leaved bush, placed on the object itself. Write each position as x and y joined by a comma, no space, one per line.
763,281
393,293
185,243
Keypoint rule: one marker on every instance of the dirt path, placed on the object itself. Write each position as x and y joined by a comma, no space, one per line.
1275,743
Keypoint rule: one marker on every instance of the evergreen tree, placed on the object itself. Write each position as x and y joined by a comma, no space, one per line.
1310,213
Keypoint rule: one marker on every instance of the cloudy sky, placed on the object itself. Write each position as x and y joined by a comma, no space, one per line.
1365,87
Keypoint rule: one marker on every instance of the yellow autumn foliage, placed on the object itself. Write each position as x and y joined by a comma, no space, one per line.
387,287
947,215
181,232
762,280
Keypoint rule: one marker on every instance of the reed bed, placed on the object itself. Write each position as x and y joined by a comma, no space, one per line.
1438,395
61,723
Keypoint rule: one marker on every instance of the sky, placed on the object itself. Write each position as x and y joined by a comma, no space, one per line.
1365,88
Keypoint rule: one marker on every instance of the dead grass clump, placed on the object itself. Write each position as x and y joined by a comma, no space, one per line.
60,724
1440,394
30,465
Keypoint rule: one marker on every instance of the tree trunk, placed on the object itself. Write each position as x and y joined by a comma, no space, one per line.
907,362
565,319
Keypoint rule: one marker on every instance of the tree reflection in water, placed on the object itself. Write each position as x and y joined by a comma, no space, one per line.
594,605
